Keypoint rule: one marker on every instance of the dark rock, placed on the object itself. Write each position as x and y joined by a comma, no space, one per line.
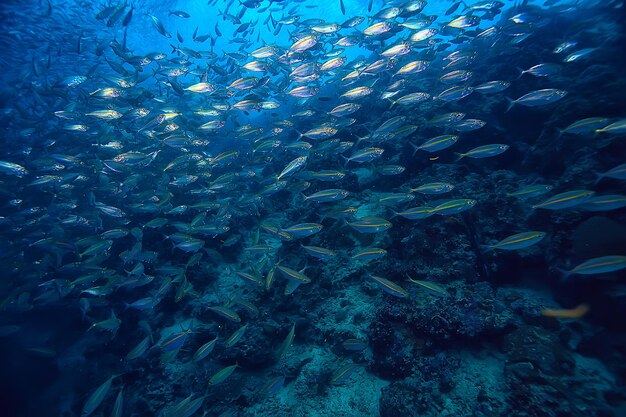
540,348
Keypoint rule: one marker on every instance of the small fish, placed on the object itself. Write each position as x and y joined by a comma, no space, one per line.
222,374
174,341
12,169
180,13
293,275
96,398
530,191
225,312
292,167
369,254
573,313
585,126
431,287
436,144
599,265
604,203
236,336
320,253
274,385
566,200
370,224
327,195
518,241
343,373
287,342
542,70
617,128
354,345
485,151
453,206
618,172
415,213
390,287
538,98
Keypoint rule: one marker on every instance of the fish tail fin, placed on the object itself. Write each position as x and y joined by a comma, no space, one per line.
415,148
565,275
395,213
560,133
459,156
511,104
521,72
393,103
599,177
346,161
485,248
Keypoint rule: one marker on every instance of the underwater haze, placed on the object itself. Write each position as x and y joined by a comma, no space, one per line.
313,208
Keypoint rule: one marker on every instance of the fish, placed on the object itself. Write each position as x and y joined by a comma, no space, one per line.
390,287
530,191
538,98
236,336
600,265
617,172
604,203
566,200
485,151
221,375
415,213
573,313
435,144
324,196
343,373
431,287
225,312
286,344
320,253
370,224
274,385
518,241
354,345
96,398
616,128
453,206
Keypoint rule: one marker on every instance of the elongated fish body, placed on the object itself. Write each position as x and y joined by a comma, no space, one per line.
222,374
325,196
485,151
390,287
320,253
453,206
518,241
303,229
370,225
566,200
618,172
604,203
369,254
236,336
96,398
416,213
225,312
587,125
599,265
437,143
530,191
539,98
434,188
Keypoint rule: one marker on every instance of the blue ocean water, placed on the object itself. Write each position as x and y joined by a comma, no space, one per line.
312,208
